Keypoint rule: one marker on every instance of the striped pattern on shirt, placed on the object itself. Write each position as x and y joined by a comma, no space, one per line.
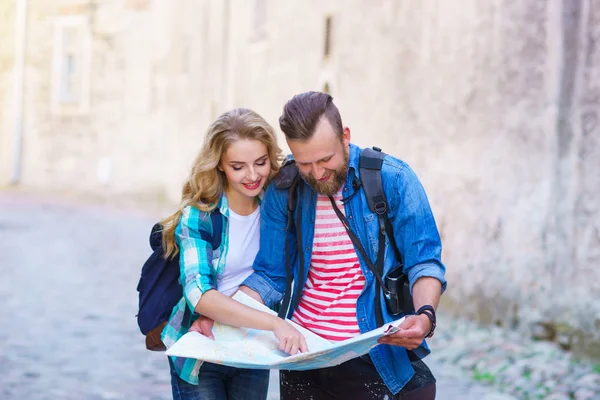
335,280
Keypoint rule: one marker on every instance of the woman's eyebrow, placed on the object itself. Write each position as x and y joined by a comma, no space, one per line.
244,162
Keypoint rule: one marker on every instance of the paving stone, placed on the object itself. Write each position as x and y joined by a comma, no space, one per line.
69,273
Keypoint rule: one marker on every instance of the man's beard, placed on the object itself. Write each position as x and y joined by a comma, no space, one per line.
335,182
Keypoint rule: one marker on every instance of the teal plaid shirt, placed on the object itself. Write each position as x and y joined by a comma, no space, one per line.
200,266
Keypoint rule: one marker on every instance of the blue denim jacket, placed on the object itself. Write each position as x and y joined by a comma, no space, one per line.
416,235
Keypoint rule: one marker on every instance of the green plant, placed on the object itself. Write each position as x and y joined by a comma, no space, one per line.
483,376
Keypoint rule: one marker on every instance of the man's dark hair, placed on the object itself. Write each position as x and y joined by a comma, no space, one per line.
303,112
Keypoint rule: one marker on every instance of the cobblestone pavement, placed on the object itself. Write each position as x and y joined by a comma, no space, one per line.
516,365
68,300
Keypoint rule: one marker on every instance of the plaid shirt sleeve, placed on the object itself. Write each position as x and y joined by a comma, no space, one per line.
195,255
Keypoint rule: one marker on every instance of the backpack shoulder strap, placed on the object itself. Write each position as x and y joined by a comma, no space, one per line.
287,178
214,239
217,225
369,165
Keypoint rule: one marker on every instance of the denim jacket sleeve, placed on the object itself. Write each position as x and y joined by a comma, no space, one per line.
195,255
269,275
414,225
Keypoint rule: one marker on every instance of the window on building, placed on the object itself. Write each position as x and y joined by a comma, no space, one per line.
327,47
70,73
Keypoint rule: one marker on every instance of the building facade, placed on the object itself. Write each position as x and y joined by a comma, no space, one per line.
494,104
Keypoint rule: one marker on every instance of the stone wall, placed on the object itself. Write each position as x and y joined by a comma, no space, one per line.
494,104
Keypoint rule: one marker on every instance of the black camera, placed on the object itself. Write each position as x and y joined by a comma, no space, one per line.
397,292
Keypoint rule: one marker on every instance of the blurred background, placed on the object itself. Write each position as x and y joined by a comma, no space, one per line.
495,105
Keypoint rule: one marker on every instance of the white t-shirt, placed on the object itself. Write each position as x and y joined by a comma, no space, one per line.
244,240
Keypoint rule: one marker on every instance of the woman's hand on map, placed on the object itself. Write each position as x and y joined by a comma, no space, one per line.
203,325
290,339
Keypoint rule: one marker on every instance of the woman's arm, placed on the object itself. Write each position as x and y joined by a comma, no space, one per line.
200,290
224,309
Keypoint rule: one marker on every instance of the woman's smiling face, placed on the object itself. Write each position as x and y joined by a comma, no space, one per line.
246,166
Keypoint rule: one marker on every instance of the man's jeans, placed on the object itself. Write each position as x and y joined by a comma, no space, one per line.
218,382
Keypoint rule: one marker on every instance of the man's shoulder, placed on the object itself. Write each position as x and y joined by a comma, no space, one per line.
287,174
278,189
393,164
396,173
390,162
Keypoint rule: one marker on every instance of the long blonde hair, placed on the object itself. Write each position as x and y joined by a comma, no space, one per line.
206,182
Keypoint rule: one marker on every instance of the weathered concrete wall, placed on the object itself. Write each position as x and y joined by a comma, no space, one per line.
495,105
486,101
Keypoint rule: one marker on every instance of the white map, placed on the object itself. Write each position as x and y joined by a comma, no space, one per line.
250,348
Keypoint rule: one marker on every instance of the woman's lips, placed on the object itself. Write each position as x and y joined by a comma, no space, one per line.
252,186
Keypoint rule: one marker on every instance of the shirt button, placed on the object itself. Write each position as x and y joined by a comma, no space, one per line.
350,217
307,248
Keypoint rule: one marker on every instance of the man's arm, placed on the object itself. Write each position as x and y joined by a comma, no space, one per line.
415,230
251,293
419,242
427,291
269,277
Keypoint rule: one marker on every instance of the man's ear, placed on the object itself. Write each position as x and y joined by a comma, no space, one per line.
346,137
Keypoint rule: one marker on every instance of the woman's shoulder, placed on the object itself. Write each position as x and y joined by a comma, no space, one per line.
193,216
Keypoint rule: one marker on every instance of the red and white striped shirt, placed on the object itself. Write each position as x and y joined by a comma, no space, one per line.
335,280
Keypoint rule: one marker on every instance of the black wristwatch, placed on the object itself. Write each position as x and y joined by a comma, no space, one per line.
430,312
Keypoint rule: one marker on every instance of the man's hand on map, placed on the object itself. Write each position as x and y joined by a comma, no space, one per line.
290,339
411,332
203,325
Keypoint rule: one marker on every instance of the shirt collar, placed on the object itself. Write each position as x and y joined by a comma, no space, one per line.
354,156
223,204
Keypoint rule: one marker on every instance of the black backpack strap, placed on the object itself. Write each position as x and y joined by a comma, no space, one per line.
300,277
287,178
370,164
217,225
214,239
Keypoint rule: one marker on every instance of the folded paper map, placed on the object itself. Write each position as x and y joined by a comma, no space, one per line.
250,348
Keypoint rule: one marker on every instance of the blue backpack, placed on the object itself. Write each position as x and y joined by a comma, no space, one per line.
159,286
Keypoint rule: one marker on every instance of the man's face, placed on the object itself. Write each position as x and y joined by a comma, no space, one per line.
323,159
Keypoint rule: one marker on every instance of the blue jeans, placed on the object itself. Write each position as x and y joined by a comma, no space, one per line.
218,382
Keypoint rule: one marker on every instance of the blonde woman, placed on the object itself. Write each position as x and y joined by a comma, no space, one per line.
238,158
